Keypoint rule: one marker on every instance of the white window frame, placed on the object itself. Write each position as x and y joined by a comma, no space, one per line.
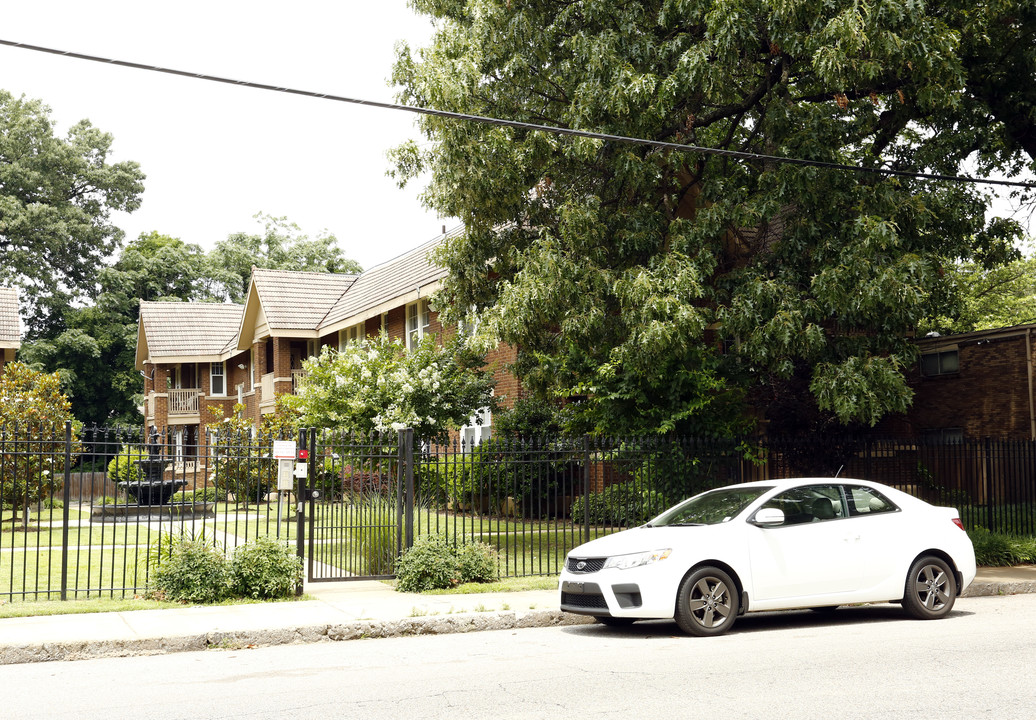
474,434
350,335
222,375
418,321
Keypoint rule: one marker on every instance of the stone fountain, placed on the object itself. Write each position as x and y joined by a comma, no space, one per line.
152,489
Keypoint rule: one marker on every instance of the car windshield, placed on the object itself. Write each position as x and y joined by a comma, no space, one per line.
710,508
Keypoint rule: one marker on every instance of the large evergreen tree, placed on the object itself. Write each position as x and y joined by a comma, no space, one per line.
664,289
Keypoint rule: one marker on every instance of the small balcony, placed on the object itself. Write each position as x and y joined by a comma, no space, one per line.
184,401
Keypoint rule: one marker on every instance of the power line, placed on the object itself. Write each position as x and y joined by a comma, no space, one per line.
659,144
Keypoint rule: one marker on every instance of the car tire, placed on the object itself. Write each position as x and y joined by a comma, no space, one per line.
931,588
707,602
613,621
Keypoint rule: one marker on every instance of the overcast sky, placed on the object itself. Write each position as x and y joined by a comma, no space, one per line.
215,154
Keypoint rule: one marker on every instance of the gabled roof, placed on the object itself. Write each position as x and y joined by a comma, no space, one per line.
10,322
288,303
298,300
170,332
398,281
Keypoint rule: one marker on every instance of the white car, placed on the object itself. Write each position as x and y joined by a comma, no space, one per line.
803,543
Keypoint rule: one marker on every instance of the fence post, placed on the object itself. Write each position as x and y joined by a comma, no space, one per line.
988,474
406,438
300,518
66,497
586,488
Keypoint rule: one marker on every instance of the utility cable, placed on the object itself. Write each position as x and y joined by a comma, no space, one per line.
570,132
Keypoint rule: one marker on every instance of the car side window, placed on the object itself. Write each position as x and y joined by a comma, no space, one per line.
813,503
867,501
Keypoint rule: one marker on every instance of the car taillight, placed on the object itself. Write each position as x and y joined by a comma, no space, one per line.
958,523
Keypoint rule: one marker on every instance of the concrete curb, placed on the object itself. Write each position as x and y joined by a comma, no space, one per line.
985,589
358,630
431,624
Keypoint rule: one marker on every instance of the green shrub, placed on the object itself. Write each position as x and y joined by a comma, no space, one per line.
446,480
434,564
248,479
201,495
264,568
478,562
431,564
124,468
618,504
998,550
191,571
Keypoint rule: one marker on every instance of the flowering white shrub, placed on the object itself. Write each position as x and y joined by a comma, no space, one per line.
376,385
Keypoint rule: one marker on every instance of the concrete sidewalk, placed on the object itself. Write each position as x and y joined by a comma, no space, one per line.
338,611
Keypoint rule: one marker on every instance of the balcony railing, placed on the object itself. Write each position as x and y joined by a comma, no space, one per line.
296,378
184,401
266,388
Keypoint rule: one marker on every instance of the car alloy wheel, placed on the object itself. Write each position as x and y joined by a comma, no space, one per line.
707,602
931,588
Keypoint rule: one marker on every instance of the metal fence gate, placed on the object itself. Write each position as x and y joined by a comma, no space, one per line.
354,504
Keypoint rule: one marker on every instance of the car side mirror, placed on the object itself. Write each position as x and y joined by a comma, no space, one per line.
768,517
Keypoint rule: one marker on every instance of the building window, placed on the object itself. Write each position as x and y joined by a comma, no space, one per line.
478,429
469,324
185,443
946,362
217,379
350,335
417,321
943,436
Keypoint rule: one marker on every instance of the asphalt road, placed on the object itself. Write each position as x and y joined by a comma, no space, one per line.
865,662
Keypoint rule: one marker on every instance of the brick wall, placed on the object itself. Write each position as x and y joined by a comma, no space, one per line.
988,397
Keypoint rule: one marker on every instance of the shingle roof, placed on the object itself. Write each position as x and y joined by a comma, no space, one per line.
387,281
295,300
10,323
189,328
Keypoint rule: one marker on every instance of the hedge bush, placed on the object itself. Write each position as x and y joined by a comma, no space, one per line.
195,570
434,564
124,468
263,569
201,495
998,550
619,504
191,571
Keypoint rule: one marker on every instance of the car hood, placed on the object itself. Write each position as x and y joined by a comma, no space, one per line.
643,538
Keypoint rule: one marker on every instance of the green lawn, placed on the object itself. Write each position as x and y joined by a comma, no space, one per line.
110,558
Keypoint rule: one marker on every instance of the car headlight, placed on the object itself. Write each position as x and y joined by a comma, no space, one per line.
625,562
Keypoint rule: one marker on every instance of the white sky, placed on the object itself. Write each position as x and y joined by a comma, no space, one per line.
214,154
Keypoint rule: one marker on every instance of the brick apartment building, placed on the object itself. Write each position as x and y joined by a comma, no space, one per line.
974,385
10,325
196,356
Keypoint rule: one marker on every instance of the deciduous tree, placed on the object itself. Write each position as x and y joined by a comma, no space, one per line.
687,290
56,200
379,386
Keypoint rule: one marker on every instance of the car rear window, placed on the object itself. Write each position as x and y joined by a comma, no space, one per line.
867,501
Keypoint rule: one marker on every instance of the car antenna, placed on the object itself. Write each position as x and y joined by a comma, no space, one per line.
840,468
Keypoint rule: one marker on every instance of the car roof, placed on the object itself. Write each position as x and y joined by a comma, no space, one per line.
793,482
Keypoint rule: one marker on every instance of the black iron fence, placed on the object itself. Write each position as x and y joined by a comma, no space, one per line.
77,521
